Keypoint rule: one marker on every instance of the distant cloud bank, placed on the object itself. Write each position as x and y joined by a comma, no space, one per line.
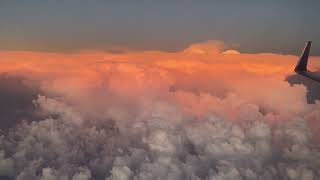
203,113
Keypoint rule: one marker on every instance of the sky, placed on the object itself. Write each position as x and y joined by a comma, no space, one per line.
249,26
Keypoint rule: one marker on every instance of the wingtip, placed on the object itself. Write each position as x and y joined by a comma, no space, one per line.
303,62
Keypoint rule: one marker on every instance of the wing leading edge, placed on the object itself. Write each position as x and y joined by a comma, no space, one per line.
301,67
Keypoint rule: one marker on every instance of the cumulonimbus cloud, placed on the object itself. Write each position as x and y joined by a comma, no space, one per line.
195,114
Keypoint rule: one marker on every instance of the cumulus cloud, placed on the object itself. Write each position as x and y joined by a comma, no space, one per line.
195,114
6,166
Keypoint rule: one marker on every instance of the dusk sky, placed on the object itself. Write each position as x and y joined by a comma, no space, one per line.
249,26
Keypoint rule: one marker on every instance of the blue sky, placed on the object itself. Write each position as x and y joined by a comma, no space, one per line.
251,26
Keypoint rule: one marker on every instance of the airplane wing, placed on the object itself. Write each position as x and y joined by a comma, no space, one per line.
301,67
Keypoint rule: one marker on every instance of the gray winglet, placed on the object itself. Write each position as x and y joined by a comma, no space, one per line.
303,62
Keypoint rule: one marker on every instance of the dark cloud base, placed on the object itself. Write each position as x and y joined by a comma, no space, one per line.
16,100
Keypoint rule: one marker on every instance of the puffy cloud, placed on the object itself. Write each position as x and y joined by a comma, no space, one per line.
84,174
153,147
120,173
195,114
205,48
6,165
231,52
226,172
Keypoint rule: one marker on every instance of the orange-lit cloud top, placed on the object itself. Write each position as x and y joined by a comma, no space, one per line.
202,113
202,78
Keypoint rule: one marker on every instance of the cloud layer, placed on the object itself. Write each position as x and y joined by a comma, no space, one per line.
203,113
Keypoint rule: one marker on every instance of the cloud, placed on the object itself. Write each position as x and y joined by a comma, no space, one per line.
195,114
206,48
312,87
16,95
6,166
231,52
